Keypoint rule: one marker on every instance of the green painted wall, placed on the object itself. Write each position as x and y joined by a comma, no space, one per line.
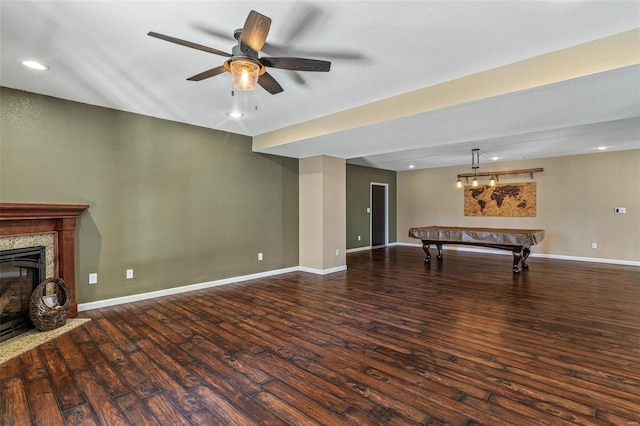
179,204
359,180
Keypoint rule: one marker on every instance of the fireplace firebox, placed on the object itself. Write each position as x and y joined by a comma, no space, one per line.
21,270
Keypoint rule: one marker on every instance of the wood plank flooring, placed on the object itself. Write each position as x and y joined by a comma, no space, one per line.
391,341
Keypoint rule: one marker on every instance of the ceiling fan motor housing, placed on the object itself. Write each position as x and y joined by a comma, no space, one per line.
238,54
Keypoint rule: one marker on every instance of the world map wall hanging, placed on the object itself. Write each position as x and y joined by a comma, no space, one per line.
509,199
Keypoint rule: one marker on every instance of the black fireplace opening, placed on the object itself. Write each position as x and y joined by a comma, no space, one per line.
21,270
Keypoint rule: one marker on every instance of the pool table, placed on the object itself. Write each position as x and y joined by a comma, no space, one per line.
518,241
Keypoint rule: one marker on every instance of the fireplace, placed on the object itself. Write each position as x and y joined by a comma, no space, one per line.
21,270
52,222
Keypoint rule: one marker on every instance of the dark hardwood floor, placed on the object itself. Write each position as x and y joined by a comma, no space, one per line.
389,341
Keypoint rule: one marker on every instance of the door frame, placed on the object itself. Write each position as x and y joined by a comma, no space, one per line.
386,213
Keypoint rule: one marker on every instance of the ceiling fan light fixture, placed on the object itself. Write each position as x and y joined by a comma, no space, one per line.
244,74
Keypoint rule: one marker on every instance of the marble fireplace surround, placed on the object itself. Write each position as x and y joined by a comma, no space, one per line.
38,221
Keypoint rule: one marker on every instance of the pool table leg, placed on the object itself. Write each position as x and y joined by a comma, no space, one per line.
439,252
517,256
425,247
525,255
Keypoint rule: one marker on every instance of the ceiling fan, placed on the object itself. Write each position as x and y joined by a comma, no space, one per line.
243,63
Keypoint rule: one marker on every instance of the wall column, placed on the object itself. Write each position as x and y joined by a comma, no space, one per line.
322,214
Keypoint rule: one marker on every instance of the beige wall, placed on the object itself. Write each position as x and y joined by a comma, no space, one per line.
322,184
310,213
335,212
576,199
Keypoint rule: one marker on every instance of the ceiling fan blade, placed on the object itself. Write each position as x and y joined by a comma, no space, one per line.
188,44
275,49
297,64
269,83
206,29
208,73
254,33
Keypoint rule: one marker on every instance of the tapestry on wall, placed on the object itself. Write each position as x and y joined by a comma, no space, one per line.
510,199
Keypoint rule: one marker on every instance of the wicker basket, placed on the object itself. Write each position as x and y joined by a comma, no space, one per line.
46,318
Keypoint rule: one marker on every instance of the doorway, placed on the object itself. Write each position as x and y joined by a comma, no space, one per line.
379,214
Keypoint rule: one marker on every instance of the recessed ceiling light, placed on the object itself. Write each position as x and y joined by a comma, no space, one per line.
411,166
35,65
602,148
495,158
235,114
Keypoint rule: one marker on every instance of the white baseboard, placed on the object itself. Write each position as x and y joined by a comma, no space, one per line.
323,271
192,287
541,255
587,259
356,249
183,289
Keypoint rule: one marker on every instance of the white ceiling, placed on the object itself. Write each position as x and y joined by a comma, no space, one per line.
99,54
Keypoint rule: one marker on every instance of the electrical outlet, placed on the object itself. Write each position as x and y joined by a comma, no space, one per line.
620,210
337,252
594,245
358,237
93,278
259,256
129,274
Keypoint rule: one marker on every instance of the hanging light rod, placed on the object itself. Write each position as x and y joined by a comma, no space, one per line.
505,172
475,165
